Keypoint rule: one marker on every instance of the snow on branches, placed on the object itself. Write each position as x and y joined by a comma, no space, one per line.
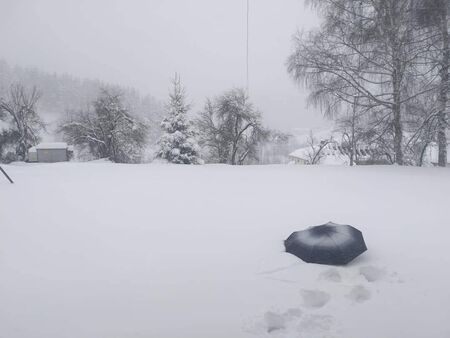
111,131
177,144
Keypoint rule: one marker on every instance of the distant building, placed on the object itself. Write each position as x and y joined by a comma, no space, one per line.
50,152
300,156
335,154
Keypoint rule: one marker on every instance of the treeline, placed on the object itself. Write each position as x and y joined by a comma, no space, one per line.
228,130
380,70
33,103
119,125
63,94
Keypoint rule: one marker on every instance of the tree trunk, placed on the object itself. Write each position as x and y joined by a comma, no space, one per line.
422,154
398,135
235,141
443,95
234,152
21,150
397,79
397,112
353,141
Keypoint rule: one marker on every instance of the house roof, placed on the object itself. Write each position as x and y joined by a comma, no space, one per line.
301,153
332,154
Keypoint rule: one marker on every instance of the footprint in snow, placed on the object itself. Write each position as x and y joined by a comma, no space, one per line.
359,294
293,323
276,323
395,278
314,299
372,273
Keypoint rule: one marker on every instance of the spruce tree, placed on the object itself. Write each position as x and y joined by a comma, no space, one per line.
178,144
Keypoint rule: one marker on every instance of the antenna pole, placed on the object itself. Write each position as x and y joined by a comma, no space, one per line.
6,175
248,41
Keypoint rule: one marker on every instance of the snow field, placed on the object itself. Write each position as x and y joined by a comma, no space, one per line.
98,250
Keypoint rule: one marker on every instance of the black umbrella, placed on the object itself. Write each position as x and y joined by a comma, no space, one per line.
330,243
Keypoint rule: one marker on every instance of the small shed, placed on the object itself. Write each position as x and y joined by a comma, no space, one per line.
50,152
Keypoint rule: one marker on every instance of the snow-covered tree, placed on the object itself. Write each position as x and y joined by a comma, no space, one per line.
276,148
20,111
316,149
365,55
110,132
434,15
9,138
231,128
178,144
62,93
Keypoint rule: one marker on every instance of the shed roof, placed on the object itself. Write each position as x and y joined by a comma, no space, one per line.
52,145
301,153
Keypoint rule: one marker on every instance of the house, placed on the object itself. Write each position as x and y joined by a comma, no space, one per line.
335,154
50,152
330,154
299,156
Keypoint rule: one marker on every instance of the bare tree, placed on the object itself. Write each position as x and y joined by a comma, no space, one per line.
353,130
230,128
363,55
110,132
21,111
212,135
9,139
434,15
421,125
316,148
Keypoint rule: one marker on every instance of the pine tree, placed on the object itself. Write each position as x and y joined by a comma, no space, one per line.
178,144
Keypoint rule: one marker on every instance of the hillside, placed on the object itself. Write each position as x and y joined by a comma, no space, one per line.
62,94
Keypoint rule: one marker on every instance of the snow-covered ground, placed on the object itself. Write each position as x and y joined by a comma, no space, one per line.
97,250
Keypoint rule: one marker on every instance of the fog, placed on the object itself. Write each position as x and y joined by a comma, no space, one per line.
142,43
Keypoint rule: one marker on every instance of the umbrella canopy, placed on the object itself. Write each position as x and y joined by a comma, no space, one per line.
331,243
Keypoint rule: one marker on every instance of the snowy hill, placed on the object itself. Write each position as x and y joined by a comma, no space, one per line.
101,250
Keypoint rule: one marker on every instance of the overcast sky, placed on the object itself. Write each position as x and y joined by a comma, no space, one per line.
142,43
